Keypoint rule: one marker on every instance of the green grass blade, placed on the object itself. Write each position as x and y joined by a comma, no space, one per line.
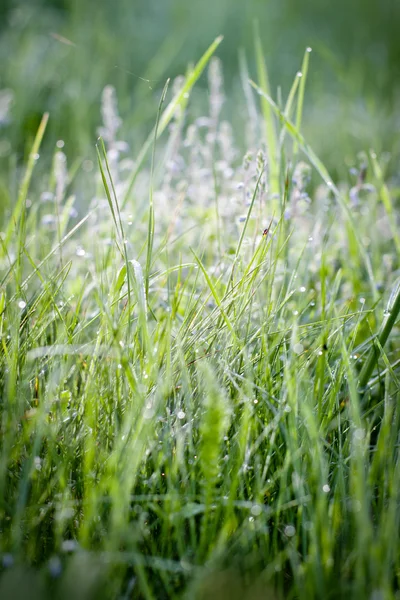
302,88
23,191
269,121
391,314
150,230
169,112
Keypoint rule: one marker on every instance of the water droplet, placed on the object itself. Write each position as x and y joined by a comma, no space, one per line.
290,531
80,251
69,546
295,312
36,156
312,303
8,561
320,353
299,74
255,401
302,289
362,300
256,510
55,567
181,415
298,348
359,434
60,144
326,488
309,49
310,239
21,304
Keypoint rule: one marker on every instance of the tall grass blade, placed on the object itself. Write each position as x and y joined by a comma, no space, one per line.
269,122
390,317
169,112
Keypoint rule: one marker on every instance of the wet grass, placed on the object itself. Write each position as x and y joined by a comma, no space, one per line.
199,371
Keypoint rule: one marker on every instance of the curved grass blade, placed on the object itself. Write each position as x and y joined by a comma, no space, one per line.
168,113
322,170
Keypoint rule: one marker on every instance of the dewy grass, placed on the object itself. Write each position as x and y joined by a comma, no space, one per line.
196,405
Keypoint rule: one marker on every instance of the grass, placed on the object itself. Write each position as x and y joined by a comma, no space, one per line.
199,375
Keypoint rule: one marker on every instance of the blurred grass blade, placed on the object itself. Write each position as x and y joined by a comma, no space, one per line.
23,190
322,170
302,88
150,231
168,113
386,199
289,106
269,118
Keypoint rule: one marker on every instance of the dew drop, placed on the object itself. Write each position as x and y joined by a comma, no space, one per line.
298,348
256,510
21,304
80,251
181,415
359,434
290,531
326,489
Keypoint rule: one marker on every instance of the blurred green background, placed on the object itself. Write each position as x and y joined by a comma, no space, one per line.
57,56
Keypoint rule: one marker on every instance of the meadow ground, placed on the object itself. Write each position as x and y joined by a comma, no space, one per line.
200,360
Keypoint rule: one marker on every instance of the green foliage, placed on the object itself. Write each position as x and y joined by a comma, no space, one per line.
199,383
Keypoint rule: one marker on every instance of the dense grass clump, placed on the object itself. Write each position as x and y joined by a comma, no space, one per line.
199,363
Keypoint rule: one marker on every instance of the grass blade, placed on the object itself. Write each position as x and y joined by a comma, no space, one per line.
269,119
168,113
